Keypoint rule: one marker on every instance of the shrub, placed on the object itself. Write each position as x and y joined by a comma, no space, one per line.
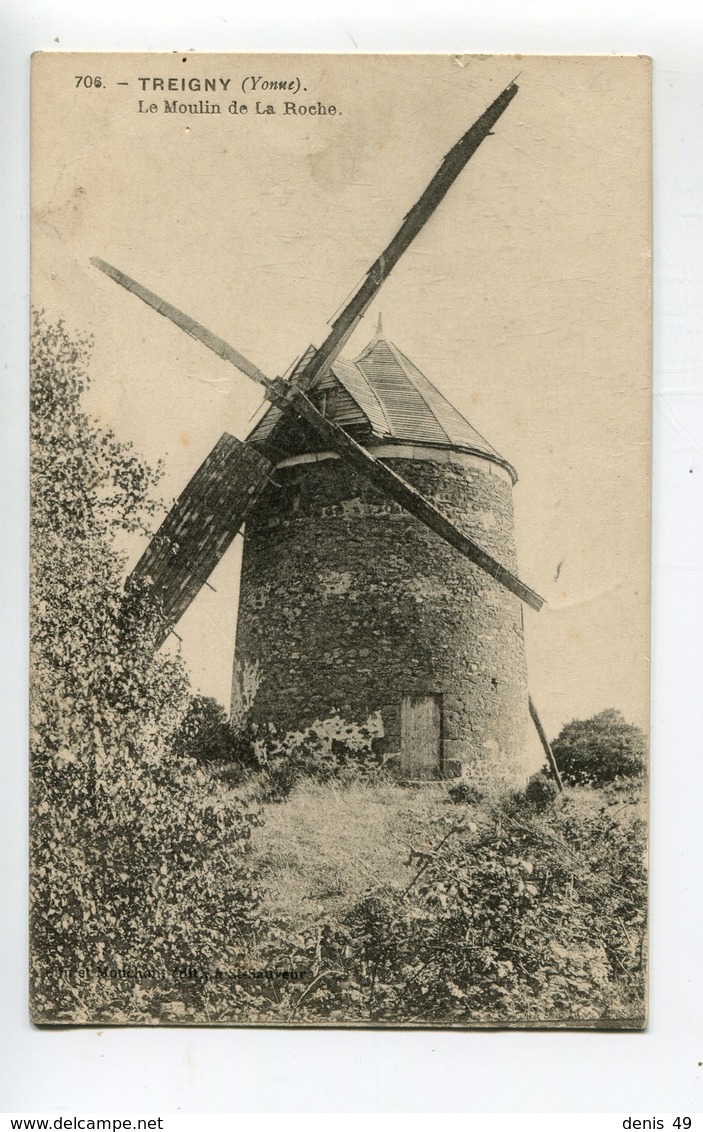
541,790
206,735
593,752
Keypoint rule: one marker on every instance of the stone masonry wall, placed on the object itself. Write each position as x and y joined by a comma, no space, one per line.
350,604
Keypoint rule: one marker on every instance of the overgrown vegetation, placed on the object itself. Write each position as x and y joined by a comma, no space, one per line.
329,749
427,910
177,856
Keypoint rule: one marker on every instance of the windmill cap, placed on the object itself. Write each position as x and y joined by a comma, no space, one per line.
402,404
383,390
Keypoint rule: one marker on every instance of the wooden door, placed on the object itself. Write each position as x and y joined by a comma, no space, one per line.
421,736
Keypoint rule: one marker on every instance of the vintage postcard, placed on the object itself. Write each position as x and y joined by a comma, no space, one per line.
340,539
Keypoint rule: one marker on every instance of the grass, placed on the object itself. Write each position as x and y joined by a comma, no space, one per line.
330,843
337,864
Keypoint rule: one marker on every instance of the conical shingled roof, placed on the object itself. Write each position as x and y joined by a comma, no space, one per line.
397,403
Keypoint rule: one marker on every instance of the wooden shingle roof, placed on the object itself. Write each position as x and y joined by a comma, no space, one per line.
383,396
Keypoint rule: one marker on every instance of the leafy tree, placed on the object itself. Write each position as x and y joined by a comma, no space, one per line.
593,752
136,863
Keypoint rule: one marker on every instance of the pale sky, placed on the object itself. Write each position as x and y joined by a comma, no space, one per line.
525,299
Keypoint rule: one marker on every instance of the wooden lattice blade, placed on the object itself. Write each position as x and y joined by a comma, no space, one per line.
200,526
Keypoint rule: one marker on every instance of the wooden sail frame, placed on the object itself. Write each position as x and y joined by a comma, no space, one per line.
200,527
290,396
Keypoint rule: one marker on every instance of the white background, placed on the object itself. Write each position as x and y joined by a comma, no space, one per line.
66,1071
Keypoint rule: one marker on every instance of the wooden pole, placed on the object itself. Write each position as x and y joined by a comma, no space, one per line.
545,743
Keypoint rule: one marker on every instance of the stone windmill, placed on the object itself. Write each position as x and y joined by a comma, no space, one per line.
379,566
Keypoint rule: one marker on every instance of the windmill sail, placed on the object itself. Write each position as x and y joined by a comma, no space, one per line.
291,399
290,396
200,526
413,223
200,333
349,317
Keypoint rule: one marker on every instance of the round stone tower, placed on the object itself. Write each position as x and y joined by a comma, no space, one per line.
349,604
